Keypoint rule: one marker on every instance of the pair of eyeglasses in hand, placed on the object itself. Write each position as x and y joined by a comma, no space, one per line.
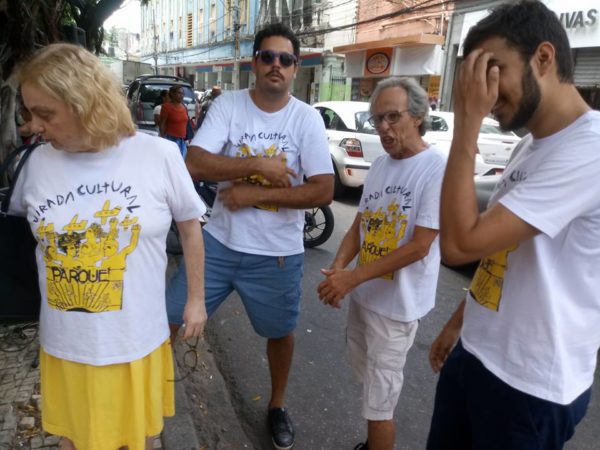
189,360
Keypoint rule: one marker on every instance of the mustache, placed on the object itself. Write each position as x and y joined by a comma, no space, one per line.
276,73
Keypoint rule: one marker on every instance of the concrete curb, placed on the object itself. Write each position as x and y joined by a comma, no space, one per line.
179,432
205,416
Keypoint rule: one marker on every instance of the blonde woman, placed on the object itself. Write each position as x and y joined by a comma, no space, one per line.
99,198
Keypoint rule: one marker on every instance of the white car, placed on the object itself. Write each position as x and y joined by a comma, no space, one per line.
354,144
495,145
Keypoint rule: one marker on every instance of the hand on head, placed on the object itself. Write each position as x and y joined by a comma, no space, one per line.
476,88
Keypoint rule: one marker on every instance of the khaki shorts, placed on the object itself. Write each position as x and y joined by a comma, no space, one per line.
377,348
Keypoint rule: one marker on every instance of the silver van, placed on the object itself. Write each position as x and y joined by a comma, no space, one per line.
144,91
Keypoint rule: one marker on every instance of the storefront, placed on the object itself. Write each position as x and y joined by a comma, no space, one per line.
418,56
581,19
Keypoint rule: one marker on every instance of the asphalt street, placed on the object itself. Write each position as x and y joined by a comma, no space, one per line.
324,399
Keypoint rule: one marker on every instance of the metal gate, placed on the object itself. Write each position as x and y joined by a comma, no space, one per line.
587,67
338,87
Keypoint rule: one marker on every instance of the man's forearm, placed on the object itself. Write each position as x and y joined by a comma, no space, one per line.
456,321
349,247
207,166
307,195
459,212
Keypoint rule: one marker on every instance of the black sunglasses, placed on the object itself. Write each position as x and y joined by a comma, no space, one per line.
268,57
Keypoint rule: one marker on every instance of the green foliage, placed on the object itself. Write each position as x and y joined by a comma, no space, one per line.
68,15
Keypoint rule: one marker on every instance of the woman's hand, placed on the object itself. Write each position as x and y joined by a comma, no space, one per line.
194,314
194,319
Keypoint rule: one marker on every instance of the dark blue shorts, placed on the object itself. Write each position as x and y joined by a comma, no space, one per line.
270,287
475,410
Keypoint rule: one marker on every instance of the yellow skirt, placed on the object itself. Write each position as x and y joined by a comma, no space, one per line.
106,407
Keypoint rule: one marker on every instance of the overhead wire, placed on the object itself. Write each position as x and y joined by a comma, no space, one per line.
422,6
425,4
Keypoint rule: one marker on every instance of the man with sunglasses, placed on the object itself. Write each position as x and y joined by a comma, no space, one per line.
395,236
260,144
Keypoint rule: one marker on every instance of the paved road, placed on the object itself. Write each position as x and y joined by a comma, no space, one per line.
323,398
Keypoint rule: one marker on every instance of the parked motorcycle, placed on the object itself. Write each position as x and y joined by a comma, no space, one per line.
318,225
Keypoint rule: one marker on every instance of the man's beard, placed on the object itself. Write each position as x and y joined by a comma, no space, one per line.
530,100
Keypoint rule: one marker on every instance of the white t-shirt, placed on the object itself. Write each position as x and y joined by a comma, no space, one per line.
533,314
236,127
101,221
398,195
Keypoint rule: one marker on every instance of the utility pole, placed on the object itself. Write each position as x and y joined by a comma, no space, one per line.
236,31
155,39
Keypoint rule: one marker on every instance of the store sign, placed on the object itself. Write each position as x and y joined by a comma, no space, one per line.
378,62
581,19
433,88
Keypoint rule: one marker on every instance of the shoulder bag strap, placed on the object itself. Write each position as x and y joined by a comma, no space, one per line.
26,150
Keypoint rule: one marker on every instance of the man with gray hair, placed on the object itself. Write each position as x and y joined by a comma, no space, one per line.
395,235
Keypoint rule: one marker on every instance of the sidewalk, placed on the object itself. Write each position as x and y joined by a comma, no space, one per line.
20,401
205,417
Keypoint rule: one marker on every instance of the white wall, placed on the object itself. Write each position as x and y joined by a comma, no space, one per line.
339,12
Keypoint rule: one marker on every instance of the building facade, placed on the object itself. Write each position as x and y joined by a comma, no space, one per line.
177,36
341,17
197,39
581,19
402,38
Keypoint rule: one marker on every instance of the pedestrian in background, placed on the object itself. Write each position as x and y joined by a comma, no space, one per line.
395,235
520,376
174,119
259,144
214,93
163,97
100,199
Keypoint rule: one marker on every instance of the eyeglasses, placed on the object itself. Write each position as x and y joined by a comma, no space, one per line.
391,117
268,57
189,358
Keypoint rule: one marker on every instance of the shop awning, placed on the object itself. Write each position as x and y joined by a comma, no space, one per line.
401,41
413,55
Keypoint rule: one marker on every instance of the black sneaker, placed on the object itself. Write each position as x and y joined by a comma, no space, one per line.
361,446
282,431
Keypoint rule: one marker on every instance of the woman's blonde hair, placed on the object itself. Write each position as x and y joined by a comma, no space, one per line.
73,75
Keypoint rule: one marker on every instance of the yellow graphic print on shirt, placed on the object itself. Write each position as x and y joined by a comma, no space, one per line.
382,231
246,151
85,264
486,287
